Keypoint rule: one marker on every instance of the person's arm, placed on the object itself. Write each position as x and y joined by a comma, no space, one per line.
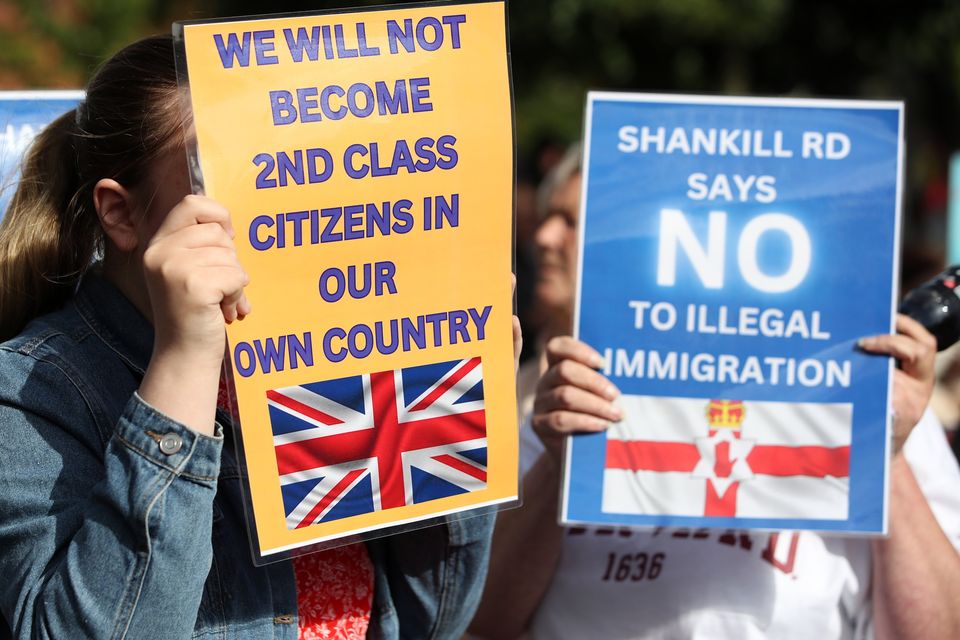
195,284
96,544
116,543
916,570
527,541
916,574
526,550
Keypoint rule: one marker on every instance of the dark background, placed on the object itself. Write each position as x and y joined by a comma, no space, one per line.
560,48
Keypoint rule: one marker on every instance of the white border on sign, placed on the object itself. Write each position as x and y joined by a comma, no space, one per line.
901,146
747,101
43,94
581,225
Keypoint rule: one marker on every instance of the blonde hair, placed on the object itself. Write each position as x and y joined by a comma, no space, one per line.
51,233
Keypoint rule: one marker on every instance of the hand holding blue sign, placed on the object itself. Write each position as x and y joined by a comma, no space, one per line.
914,348
572,396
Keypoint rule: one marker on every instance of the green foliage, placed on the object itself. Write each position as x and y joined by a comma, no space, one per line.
562,48
882,49
50,43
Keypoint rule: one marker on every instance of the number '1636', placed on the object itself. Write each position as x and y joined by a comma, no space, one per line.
633,567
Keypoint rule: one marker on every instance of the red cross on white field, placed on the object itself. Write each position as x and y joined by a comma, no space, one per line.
725,460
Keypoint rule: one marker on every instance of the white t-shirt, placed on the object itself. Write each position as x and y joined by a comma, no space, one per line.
621,583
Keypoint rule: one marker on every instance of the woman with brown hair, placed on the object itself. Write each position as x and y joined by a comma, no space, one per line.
120,504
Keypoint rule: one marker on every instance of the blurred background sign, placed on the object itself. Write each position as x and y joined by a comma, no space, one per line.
22,115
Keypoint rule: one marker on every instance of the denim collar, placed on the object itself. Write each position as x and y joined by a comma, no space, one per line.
114,319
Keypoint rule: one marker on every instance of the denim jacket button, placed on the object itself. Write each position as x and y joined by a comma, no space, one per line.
171,443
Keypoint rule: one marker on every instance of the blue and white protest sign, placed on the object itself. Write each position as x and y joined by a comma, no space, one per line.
733,251
22,115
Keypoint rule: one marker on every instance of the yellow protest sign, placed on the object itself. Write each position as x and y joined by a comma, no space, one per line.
367,161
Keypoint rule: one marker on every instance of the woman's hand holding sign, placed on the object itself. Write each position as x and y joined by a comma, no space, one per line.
194,278
195,283
571,395
516,329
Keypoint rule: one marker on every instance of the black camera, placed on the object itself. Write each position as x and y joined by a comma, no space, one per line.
936,305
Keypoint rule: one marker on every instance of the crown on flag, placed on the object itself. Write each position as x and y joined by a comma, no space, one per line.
727,414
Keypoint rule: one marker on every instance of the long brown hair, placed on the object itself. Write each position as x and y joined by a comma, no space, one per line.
51,233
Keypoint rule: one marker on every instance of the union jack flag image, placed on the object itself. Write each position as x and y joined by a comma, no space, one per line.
379,441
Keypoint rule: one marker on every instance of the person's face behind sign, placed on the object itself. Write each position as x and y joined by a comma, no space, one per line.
556,243
167,183
133,216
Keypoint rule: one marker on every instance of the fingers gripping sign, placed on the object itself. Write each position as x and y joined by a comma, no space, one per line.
914,348
517,331
194,278
571,395
195,283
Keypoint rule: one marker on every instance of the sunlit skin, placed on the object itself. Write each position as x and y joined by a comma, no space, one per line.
556,245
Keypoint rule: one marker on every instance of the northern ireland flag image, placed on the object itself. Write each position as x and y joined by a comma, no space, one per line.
379,441
726,458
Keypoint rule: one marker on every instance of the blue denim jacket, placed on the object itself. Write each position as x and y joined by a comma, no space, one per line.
105,532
